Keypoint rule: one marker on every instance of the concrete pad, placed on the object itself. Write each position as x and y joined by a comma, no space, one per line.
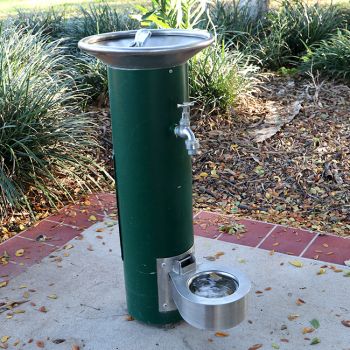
90,309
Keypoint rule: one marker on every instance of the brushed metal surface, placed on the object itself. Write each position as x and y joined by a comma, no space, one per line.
164,267
210,313
165,48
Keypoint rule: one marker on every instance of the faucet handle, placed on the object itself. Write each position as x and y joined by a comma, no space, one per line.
186,106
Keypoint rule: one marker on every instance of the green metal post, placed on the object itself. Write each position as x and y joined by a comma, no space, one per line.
154,178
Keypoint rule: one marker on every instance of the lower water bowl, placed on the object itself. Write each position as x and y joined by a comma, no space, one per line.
211,297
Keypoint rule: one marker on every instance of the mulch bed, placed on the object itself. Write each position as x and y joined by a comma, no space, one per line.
299,177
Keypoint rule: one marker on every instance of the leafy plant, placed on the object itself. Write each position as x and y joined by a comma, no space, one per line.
96,19
218,76
44,137
287,31
234,22
185,14
330,57
50,23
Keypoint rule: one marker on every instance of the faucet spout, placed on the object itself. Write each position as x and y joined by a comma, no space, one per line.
192,144
184,131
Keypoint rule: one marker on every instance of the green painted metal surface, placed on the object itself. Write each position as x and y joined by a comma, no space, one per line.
154,179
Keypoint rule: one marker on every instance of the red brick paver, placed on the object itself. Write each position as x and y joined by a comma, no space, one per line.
329,248
288,240
60,228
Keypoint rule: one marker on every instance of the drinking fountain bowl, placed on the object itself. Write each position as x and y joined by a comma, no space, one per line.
157,48
207,296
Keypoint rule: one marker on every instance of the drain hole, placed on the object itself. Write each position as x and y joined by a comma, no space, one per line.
213,284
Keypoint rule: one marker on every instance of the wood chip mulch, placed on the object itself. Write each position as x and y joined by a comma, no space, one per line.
299,177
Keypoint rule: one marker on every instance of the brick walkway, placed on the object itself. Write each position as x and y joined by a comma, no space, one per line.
60,228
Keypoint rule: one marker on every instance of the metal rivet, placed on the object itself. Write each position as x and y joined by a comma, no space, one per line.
165,305
163,264
170,71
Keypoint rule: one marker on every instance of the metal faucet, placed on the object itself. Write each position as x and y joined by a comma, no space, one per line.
183,130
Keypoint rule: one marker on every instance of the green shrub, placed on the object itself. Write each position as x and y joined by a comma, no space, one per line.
218,76
50,23
330,57
309,24
287,31
96,19
44,137
233,22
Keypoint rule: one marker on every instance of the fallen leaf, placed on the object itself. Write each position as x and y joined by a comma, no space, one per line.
258,292
347,274
268,288
52,296
75,347
19,252
16,342
4,345
42,309
40,344
346,323
300,301
99,237
296,263
99,230
315,341
218,254
68,246
255,347
26,295
210,258
308,330
275,346
338,270
3,284
129,318
233,228
315,323
22,286
325,245
58,341
221,334
259,170
110,224
292,317
19,311
92,218
5,338
321,271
